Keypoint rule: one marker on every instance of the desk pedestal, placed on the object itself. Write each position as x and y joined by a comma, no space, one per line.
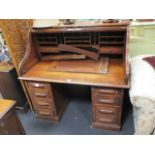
49,101
107,107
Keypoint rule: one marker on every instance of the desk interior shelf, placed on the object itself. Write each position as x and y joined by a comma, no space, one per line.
102,42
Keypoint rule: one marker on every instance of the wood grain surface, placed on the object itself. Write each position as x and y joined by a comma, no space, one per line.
114,77
5,106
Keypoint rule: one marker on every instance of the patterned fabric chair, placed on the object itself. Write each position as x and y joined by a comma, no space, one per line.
142,95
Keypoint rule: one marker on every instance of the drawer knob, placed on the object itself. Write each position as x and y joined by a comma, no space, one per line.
106,101
2,124
38,85
106,111
105,120
44,113
40,94
42,103
110,91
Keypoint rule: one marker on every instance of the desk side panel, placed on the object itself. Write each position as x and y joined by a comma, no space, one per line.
31,57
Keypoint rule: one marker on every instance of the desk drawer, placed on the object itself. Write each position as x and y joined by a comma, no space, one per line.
107,91
107,119
42,99
104,99
38,86
45,104
109,96
44,113
104,109
107,114
43,94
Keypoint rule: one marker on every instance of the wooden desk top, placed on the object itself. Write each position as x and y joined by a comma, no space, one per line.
5,106
114,78
80,24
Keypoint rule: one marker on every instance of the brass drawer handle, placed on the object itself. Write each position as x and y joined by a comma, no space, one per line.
110,91
106,111
2,124
42,103
106,101
40,94
44,113
38,85
105,120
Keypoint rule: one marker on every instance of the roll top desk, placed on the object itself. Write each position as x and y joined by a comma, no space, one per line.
95,55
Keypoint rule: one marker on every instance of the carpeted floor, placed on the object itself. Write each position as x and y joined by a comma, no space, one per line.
76,120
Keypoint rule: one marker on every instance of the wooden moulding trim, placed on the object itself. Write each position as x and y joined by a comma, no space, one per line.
22,65
127,57
79,29
74,82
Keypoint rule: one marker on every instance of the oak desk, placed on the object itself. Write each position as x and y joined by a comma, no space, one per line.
46,88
